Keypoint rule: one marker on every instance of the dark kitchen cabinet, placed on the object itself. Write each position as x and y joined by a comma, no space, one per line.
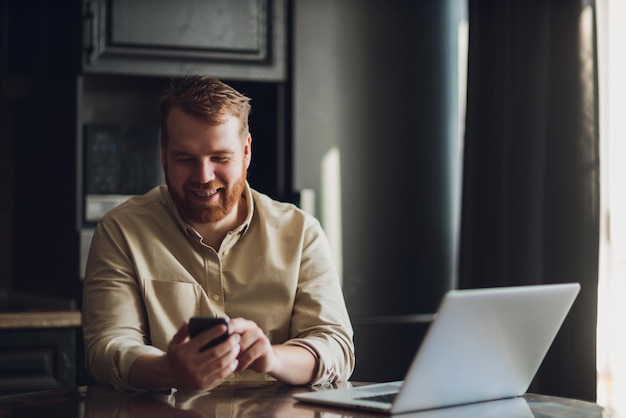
233,39
37,359
39,339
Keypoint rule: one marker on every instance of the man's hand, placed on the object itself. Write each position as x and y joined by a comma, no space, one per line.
184,367
201,370
287,363
256,350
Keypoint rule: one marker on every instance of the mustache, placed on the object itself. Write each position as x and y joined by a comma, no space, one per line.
213,184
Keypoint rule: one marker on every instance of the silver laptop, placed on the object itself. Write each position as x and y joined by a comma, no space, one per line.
484,344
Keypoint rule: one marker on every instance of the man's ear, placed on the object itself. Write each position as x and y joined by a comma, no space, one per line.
247,150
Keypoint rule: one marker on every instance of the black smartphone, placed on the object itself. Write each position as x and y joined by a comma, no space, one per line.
197,324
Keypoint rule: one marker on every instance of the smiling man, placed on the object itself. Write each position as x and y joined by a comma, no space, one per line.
207,244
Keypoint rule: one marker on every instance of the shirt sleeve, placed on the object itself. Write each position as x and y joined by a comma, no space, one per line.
113,317
320,320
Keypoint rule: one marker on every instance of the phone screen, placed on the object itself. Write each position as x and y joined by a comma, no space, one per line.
198,324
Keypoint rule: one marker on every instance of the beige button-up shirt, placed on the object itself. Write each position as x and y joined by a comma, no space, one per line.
148,271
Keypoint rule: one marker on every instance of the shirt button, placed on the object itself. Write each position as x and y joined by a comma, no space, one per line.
232,376
216,298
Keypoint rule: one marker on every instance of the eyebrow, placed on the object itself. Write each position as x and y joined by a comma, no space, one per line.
178,152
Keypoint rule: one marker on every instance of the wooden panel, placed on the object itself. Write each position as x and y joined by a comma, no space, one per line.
240,39
33,360
232,27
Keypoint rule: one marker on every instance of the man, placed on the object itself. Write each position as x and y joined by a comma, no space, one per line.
207,244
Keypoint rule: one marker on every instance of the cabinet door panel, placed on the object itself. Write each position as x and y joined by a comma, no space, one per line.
237,27
37,359
234,39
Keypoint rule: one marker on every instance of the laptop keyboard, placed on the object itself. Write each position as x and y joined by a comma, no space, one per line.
386,398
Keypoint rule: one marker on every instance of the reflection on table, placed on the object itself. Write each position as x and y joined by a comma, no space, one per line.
260,400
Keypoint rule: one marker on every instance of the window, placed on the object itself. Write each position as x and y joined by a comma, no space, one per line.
611,361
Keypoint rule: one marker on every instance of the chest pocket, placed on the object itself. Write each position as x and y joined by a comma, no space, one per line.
168,305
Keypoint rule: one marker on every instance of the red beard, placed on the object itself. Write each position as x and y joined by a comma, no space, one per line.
195,210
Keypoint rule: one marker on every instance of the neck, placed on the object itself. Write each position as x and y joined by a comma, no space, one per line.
214,233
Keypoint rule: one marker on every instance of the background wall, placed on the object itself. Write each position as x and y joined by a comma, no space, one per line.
375,96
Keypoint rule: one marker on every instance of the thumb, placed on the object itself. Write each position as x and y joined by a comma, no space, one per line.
181,334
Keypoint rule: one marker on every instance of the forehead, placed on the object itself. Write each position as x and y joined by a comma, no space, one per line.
192,136
184,127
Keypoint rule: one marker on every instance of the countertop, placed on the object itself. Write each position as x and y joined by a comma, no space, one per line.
41,319
270,400
20,310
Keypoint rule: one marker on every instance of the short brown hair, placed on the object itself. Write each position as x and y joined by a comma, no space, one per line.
204,97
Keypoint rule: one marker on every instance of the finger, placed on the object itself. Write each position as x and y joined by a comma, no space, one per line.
251,336
218,356
257,351
217,376
240,325
220,366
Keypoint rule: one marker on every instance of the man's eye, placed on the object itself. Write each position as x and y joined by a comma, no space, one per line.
220,159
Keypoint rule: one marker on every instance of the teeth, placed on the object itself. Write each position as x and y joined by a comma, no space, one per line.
205,194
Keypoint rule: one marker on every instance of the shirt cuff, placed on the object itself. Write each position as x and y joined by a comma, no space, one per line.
123,361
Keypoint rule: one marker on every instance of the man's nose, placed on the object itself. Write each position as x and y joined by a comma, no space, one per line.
206,171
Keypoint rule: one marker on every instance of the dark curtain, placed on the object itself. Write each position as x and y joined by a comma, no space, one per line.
530,177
